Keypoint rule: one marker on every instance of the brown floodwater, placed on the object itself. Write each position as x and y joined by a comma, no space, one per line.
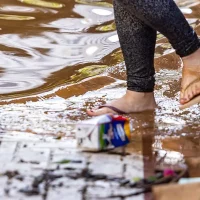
59,58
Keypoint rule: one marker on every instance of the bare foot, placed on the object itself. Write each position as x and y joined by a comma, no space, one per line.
190,77
129,103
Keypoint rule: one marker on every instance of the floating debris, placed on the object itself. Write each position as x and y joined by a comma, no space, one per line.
43,3
15,17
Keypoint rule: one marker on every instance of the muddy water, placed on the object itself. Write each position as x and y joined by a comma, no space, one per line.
59,58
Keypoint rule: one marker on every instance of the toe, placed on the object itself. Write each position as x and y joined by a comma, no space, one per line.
192,92
183,97
100,111
186,96
189,94
197,90
183,100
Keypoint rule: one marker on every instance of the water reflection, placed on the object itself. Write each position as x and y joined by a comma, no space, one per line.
66,58
15,17
46,52
54,53
43,3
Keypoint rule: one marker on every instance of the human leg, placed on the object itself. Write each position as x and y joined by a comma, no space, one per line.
165,16
137,42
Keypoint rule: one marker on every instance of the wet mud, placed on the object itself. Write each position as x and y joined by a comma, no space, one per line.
59,58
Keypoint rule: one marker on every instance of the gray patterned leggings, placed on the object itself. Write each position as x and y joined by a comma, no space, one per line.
137,22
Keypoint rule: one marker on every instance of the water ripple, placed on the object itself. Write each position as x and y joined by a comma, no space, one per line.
49,57
43,3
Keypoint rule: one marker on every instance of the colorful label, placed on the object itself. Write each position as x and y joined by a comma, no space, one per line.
114,134
103,132
121,131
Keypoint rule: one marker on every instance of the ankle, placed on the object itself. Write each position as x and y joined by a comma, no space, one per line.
139,95
140,100
193,55
192,60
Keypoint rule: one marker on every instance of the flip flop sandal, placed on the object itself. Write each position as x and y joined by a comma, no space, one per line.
195,99
118,111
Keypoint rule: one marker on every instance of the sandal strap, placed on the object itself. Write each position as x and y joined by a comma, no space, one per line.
192,73
193,82
120,112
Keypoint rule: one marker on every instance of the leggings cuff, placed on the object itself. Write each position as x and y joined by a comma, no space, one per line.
141,84
189,47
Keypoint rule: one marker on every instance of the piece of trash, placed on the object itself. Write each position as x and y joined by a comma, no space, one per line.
193,166
169,172
189,180
156,179
68,161
59,136
103,132
177,191
136,179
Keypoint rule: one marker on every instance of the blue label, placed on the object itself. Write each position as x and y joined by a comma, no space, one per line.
119,136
